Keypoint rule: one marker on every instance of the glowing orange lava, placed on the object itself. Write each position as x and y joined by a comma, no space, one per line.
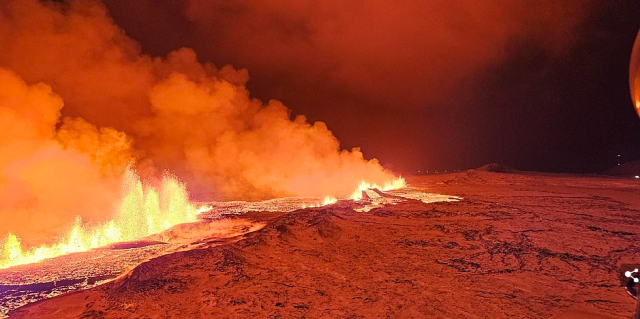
143,211
364,185
328,200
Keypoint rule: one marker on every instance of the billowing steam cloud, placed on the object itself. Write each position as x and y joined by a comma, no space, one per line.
49,176
416,68
121,107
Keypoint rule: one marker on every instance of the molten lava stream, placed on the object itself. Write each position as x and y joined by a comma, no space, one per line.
142,211
364,185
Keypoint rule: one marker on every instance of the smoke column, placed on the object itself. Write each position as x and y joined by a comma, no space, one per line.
79,102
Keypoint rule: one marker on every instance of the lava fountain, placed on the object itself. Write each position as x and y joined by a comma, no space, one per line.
142,211
75,115
391,185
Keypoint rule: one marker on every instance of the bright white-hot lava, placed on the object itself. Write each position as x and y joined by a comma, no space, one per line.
143,210
391,185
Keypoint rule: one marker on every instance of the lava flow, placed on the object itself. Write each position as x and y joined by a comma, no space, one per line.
143,210
391,185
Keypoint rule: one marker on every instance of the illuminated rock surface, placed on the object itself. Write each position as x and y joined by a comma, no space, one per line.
514,246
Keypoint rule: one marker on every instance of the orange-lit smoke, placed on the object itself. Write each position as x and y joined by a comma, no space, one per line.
121,106
141,211
49,176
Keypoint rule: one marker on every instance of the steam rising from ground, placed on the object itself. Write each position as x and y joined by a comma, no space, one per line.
121,107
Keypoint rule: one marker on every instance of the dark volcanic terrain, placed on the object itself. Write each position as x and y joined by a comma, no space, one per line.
515,246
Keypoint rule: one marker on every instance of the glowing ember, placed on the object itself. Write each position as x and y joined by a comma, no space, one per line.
143,211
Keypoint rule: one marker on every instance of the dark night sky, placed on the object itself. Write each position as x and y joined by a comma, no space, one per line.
427,85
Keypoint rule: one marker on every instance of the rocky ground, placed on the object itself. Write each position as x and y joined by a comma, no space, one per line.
518,245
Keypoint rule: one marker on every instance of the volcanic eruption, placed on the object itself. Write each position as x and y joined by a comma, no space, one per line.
83,110
144,173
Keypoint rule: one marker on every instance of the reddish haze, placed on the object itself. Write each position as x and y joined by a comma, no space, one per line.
122,106
396,77
48,177
383,50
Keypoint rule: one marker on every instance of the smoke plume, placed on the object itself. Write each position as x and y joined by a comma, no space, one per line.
47,175
79,102
399,78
